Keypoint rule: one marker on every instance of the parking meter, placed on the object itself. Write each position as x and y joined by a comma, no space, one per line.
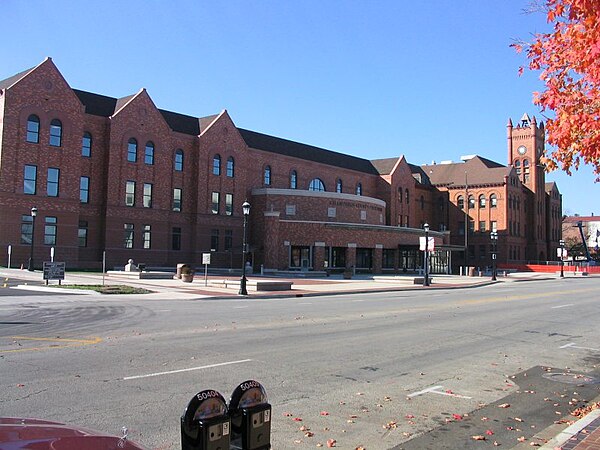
250,415
205,424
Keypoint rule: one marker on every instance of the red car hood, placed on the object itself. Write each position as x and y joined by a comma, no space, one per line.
34,434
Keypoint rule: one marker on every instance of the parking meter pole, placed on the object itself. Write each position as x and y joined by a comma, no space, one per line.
205,423
250,417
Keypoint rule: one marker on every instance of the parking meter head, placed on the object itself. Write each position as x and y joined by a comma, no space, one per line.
205,423
250,415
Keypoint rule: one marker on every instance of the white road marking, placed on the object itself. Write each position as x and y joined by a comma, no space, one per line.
572,345
240,307
434,390
186,370
305,303
562,306
424,391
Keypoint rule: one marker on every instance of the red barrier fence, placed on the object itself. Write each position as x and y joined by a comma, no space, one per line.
549,268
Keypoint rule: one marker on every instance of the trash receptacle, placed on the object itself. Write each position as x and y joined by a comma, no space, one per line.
471,271
179,267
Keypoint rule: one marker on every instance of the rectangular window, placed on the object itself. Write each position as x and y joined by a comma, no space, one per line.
52,182
84,189
177,199
82,233
128,236
228,243
215,202
176,238
147,195
146,236
130,193
228,204
482,226
86,145
471,226
50,231
214,240
30,180
482,251
494,225
26,229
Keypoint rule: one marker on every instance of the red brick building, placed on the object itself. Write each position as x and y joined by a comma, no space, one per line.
121,176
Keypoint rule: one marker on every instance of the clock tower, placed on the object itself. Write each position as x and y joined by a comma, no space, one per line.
525,147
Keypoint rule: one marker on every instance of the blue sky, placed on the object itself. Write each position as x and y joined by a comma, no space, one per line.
430,80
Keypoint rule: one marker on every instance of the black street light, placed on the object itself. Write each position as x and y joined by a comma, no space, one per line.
33,214
494,238
246,211
426,278
562,261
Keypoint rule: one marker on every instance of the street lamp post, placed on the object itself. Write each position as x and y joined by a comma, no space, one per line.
562,261
426,278
33,214
246,211
494,238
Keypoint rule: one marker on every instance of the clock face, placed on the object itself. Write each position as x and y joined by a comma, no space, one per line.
522,149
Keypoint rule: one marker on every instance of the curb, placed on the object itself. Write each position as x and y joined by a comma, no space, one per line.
571,431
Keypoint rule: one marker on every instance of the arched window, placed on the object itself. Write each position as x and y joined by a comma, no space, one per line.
33,129
422,201
517,163
338,186
471,202
149,153
230,167
460,202
525,163
86,145
267,176
482,201
55,133
359,189
316,185
399,195
217,164
293,179
178,162
406,196
493,201
132,150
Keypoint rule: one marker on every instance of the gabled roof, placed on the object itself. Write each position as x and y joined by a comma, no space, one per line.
479,171
575,219
206,121
384,166
551,186
8,82
273,144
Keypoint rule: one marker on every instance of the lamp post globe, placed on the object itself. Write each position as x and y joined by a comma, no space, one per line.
33,216
246,212
426,277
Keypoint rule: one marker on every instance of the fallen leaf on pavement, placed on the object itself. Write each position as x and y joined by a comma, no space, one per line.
297,419
478,437
521,439
331,443
324,413
457,416
504,405
489,432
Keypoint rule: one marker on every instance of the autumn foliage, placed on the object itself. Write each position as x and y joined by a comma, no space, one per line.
569,61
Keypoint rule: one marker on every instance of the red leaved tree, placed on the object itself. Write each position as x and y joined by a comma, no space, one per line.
569,60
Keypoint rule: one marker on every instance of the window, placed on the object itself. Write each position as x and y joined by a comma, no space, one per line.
471,226
293,179
228,204
86,145
50,231
52,182
82,233
146,236
84,189
149,153
471,202
228,243
493,201
267,176
217,165
482,226
214,240
359,189
461,228
494,225
178,163
482,201
518,167
399,195
406,196
229,170
147,195
215,202
177,199
339,186
422,201
130,193
132,150
316,185
33,129
128,236
176,238
460,202
26,229
482,251
55,133
30,180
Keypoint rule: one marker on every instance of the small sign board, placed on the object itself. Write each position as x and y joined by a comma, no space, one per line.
430,244
564,252
54,270
205,258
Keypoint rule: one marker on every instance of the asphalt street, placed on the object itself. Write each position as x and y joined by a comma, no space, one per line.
379,370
